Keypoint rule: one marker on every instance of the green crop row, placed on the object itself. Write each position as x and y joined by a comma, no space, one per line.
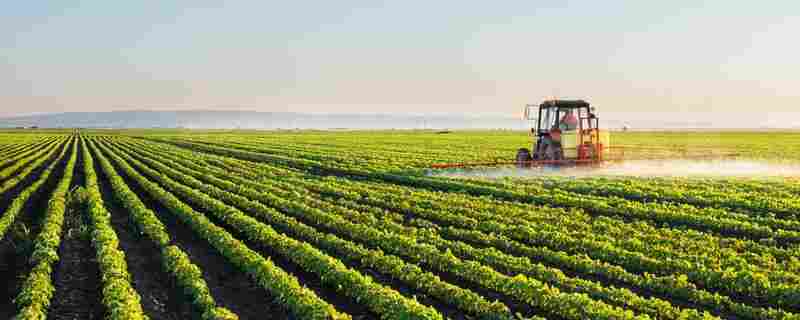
175,262
24,150
301,301
13,210
743,279
380,299
37,289
698,248
410,274
683,200
119,297
520,288
235,185
30,163
657,213
665,285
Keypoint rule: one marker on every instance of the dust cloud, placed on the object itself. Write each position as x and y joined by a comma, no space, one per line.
640,168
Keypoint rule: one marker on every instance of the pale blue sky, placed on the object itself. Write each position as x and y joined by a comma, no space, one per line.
399,56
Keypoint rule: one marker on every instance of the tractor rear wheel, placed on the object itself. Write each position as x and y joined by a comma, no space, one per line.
523,157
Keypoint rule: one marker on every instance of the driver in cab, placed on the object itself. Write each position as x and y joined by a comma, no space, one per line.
569,122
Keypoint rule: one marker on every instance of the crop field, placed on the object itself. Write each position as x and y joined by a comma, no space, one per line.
169,224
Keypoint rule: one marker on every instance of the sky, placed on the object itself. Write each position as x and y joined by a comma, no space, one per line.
727,59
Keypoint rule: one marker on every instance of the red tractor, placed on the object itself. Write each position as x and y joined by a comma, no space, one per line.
566,132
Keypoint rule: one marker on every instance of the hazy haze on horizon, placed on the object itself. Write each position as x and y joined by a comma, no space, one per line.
725,60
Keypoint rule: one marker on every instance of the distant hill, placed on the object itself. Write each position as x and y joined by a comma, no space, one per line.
289,120
256,120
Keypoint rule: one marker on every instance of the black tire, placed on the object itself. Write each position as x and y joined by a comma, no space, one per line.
523,157
552,152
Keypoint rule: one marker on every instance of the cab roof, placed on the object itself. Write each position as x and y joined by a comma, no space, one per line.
564,104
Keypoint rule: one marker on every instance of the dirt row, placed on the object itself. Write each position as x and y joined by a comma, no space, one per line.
230,287
17,245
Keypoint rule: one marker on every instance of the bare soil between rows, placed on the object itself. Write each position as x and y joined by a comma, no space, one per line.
17,244
230,287
76,277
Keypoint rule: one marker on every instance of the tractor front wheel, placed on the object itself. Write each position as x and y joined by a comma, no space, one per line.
523,157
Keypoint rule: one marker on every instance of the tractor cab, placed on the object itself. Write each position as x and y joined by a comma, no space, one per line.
563,130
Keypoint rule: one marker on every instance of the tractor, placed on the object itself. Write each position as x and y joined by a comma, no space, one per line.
564,132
